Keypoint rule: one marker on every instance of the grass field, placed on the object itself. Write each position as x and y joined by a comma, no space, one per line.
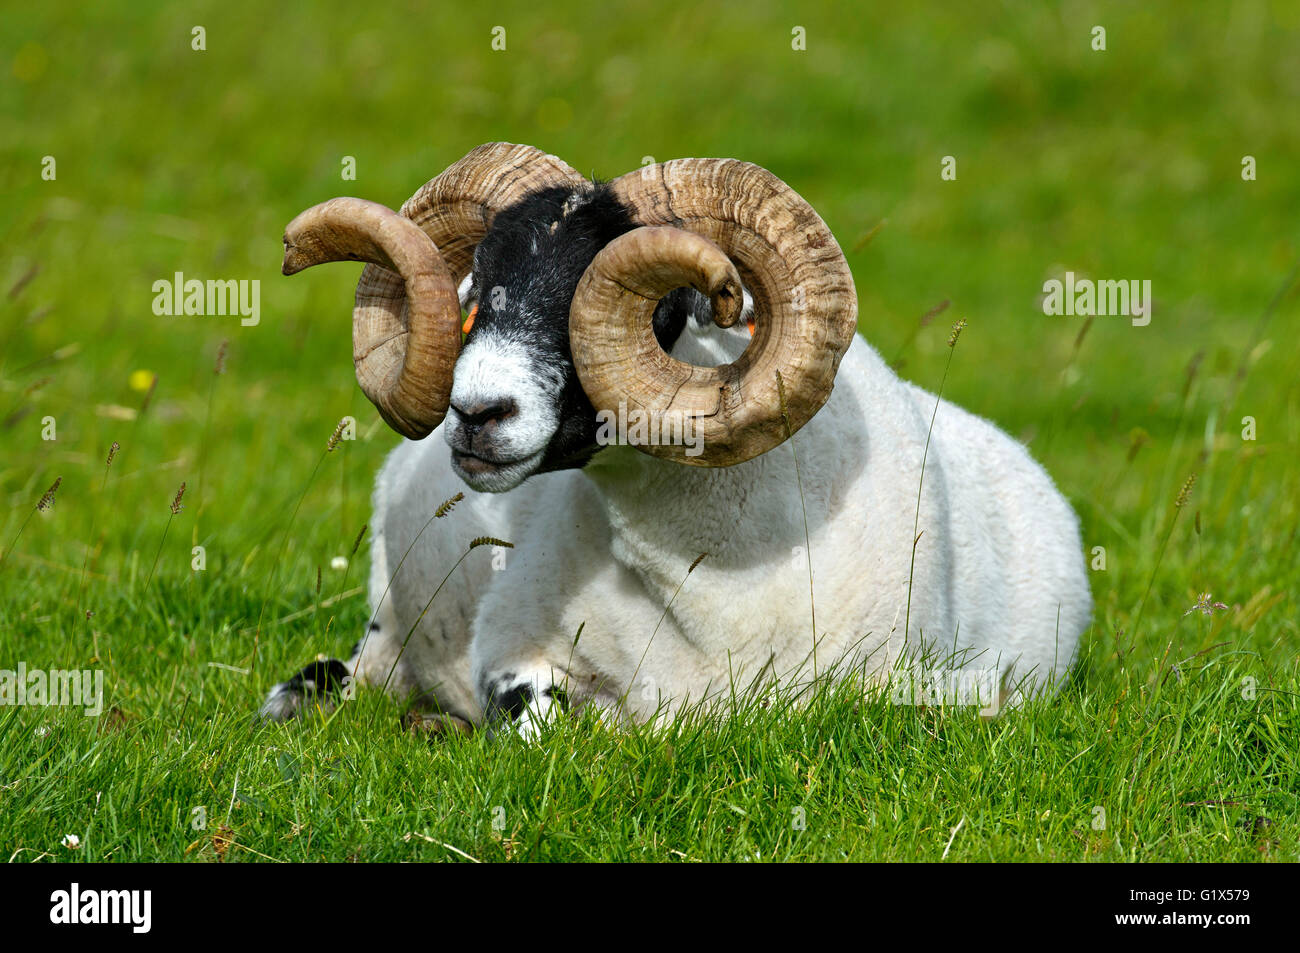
1179,735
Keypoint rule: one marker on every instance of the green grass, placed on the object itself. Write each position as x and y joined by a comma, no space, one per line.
1123,163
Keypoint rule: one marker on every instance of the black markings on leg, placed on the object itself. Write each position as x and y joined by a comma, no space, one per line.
559,696
512,701
320,677
316,684
508,699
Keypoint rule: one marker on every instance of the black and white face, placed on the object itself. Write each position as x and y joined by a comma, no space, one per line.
517,406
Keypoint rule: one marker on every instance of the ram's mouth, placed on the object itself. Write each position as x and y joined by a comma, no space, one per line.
490,474
473,464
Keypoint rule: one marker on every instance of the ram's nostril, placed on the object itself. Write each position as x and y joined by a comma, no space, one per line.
484,412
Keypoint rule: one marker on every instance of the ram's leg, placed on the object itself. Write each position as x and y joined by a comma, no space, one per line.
322,684
318,686
523,698
530,669
527,666
377,659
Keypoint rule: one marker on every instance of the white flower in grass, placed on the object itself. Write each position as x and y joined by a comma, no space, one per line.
1205,606
71,841
339,563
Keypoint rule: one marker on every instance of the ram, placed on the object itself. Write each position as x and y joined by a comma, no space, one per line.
706,301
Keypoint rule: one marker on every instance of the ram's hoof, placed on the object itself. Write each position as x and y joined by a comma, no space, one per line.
435,725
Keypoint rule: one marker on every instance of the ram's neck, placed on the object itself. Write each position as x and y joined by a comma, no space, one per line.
664,514
657,507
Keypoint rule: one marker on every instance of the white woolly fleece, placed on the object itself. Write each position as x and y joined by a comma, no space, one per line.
999,576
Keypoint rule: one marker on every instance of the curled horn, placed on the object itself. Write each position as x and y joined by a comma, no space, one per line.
712,224
406,317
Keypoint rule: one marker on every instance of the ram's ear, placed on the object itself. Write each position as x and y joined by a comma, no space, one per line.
463,291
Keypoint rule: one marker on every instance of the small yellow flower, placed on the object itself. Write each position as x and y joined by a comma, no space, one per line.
141,380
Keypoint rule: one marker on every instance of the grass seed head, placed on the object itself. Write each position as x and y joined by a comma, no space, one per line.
934,312
176,500
336,436
47,500
956,332
447,506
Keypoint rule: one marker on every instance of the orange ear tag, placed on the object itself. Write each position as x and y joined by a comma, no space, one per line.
469,321
750,323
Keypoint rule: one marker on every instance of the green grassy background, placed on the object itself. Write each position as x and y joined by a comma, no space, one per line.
1117,164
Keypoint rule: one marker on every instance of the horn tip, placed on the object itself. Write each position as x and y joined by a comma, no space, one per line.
293,259
727,305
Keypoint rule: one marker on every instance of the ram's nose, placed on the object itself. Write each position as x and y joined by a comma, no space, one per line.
483,414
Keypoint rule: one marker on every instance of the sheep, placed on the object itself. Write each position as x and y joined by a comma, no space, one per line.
705,297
